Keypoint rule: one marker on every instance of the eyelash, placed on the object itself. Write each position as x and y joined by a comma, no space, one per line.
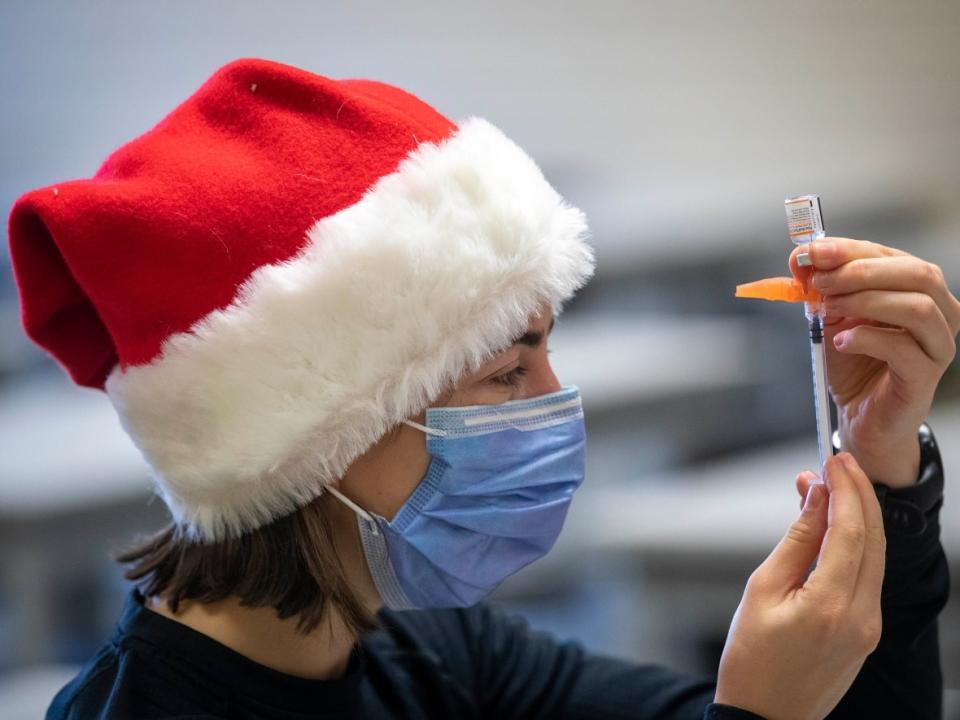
510,379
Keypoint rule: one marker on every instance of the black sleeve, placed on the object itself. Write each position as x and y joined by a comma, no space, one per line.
902,677
519,673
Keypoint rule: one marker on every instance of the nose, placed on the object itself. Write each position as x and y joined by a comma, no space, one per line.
545,381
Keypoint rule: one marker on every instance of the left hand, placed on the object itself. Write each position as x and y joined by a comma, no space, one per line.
890,334
807,634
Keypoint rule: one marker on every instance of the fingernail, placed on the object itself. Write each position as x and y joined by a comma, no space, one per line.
814,497
821,280
841,338
803,259
824,250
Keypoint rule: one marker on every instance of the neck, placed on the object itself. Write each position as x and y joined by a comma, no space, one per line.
258,634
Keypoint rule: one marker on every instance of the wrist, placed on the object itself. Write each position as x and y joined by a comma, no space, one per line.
894,462
908,511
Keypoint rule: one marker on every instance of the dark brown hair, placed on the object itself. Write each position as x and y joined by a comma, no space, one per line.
291,565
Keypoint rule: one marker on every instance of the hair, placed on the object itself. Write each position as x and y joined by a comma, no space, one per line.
290,565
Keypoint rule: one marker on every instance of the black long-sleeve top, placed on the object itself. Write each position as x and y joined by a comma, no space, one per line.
481,663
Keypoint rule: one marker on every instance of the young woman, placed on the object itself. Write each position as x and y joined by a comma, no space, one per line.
322,312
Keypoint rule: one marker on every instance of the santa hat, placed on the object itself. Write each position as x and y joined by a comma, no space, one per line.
280,271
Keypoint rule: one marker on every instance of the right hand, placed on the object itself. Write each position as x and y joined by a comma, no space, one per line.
797,642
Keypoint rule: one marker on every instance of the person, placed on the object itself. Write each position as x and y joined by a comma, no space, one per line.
321,310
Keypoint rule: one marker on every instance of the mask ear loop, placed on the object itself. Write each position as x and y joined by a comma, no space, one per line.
353,506
424,428
359,510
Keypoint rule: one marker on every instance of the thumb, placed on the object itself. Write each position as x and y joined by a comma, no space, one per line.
786,567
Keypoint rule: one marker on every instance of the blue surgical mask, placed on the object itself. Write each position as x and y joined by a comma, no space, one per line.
493,500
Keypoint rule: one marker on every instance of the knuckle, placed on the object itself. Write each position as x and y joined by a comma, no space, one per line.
935,274
800,531
951,349
869,633
926,308
880,538
756,583
857,272
830,620
852,535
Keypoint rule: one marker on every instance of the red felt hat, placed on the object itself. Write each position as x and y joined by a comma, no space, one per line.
280,271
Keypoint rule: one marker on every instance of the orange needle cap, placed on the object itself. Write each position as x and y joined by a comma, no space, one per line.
783,289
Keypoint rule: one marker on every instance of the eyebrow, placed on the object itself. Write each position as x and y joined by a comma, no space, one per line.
533,339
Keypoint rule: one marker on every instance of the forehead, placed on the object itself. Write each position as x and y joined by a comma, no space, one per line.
544,322
538,327
535,333
542,318
542,325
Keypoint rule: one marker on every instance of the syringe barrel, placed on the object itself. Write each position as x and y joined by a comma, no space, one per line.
821,393
805,225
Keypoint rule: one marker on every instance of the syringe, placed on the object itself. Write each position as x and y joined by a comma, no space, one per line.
805,225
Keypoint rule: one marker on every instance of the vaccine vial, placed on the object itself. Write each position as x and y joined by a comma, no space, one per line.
804,219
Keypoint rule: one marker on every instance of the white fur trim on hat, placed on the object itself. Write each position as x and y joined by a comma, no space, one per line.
247,416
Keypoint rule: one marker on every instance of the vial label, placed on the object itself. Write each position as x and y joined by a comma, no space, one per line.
804,221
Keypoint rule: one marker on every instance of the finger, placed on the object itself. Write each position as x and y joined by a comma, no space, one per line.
905,273
916,313
786,566
804,480
870,579
836,573
831,252
896,347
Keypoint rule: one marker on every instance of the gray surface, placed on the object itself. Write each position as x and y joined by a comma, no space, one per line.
733,506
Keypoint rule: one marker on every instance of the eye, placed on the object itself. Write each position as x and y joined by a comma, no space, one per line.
511,379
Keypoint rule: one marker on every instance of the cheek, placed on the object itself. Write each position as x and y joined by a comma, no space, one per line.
400,487
382,479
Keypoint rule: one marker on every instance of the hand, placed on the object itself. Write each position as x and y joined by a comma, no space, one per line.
797,642
890,330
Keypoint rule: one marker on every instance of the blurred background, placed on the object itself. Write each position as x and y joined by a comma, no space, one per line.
678,127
